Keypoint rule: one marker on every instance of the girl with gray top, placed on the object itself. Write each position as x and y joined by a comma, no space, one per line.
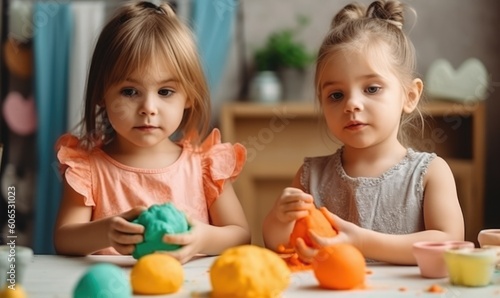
381,195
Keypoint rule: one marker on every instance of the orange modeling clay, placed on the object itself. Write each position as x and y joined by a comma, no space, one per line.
316,222
434,288
340,267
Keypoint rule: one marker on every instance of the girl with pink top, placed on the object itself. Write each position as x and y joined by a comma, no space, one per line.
144,141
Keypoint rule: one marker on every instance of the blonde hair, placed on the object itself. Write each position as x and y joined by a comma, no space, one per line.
357,27
137,35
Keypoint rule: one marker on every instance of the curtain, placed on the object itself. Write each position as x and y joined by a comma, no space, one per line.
52,32
88,20
213,22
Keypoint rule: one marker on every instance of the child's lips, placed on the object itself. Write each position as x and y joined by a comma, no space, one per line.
352,125
146,127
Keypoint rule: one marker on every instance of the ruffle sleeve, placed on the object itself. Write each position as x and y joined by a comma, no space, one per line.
220,162
74,165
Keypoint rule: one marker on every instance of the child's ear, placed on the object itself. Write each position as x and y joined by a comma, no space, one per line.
413,96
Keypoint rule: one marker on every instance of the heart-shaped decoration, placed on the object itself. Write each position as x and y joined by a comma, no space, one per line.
20,113
469,82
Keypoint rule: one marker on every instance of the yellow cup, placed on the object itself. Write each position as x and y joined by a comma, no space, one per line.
470,267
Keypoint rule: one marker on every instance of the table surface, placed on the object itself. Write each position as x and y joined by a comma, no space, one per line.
56,276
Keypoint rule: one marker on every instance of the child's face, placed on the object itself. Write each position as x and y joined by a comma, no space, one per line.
146,108
362,99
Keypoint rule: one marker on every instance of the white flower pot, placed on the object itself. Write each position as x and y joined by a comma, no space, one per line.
265,87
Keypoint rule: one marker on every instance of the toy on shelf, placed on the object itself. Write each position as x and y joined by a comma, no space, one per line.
470,82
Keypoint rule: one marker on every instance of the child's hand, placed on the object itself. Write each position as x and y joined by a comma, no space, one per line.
191,242
123,234
292,205
347,233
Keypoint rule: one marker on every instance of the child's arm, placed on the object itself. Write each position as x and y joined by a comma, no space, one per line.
442,217
228,228
290,206
76,234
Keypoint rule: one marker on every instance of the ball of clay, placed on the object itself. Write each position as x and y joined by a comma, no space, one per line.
339,267
16,292
315,222
156,274
103,280
159,220
249,271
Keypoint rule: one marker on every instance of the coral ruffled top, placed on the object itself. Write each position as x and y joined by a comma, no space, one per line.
192,183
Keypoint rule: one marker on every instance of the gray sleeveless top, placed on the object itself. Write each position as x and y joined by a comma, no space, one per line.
391,203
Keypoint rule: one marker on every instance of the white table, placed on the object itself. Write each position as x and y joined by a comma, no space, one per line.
56,276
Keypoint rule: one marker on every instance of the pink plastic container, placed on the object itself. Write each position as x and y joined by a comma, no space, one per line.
430,256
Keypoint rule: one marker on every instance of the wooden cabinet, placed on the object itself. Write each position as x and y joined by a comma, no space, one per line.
279,136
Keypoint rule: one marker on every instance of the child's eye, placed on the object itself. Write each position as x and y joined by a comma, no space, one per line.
373,89
336,96
128,92
165,92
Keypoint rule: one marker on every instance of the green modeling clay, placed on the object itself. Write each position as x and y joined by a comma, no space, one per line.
103,280
159,220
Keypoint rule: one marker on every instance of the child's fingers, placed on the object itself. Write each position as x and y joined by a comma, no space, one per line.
124,226
305,253
126,239
319,241
179,239
291,191
296,194
296,203
133,213
124,249
183,254
294,215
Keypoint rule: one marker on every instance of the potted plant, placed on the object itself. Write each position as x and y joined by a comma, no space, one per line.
286,56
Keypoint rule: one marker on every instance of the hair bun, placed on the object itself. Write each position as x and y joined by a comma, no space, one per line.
388,10
350,12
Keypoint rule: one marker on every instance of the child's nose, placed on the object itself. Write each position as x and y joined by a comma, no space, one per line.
353,103
148,106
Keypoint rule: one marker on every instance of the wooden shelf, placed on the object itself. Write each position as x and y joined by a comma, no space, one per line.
443,108
279,136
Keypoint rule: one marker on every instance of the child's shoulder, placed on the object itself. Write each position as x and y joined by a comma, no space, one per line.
216,154
213,145
69,144
422,157
73,157
70,149
67,140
